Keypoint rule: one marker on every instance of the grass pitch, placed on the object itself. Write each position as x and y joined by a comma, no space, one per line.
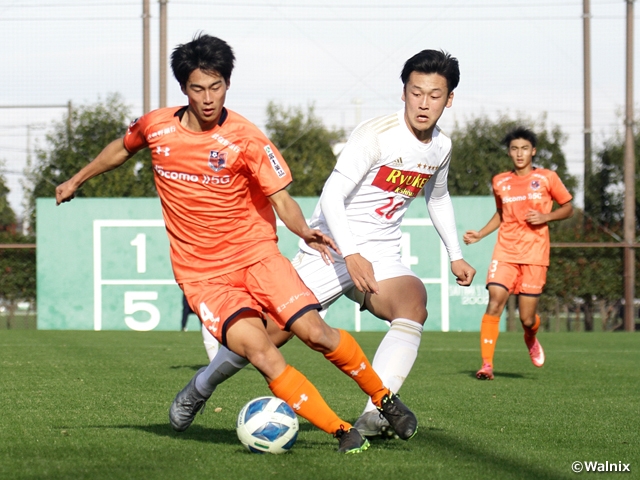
93,405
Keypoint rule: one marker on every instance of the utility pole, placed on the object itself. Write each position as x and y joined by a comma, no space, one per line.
146,57
69,124
586,49
163,52
629,182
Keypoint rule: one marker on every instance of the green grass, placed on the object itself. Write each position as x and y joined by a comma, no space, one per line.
93,405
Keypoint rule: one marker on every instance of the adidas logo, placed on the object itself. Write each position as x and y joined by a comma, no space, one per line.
397,162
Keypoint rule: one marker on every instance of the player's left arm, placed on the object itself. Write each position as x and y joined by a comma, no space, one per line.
441,212
291,215
534,217
561,195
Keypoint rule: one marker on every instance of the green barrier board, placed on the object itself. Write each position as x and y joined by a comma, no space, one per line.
103,264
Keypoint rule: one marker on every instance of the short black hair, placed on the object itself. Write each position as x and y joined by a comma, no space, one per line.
433,61
520,133
209,54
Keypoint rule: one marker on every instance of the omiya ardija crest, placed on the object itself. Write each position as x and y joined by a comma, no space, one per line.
217,160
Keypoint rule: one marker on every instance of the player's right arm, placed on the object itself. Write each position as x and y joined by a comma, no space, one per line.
335,191
112,156
473,236
359,155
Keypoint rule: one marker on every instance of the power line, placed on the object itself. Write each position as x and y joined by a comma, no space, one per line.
526,18
368,6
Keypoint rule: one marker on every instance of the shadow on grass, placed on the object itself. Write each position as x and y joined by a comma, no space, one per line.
472,374
195,432
454,449
207,435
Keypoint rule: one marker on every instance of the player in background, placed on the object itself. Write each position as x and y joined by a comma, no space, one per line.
387,162
524,206
219,180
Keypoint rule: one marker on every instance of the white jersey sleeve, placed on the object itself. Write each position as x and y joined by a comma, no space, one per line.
440,208
360,154
335,192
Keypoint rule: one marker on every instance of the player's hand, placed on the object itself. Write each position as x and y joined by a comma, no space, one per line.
361,272
471,236
320,242
65,192
533,217
463,272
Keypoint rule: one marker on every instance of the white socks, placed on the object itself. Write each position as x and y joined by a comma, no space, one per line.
210,343
224,365
396,355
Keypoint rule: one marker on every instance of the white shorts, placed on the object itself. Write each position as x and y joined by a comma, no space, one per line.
330,282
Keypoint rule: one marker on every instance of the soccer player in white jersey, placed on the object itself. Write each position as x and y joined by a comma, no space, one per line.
384,166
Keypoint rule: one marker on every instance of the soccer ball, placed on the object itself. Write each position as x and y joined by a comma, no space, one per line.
267,424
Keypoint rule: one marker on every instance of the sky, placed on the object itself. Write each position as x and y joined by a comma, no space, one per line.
343,57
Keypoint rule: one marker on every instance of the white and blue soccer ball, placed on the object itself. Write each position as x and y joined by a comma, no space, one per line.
267,425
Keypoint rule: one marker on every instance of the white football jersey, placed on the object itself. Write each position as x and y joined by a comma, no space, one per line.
390,167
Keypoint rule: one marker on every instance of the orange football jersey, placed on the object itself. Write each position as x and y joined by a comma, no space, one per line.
213,187
518,241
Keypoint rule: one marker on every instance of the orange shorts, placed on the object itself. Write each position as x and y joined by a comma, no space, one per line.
518,278
271,286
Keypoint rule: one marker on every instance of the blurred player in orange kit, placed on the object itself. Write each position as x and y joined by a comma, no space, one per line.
524,203
219,180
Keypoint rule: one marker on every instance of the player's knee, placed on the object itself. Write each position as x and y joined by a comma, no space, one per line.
317,335
264,359
494,308
418,314
528,321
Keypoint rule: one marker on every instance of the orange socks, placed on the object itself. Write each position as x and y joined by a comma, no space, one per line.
301,395
489,331
530,332
350,358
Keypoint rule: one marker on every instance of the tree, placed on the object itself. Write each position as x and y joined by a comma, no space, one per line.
306,145
604,210
7,215
478,153
604,197
76,141
17,266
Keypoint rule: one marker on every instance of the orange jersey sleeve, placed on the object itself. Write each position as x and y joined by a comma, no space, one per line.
518,241
214,188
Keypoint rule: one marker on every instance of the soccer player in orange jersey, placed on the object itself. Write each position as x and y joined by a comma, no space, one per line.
524,203
219,180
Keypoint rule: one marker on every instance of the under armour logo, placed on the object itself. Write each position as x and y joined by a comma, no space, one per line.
354,373
486,340
303,398
164,150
